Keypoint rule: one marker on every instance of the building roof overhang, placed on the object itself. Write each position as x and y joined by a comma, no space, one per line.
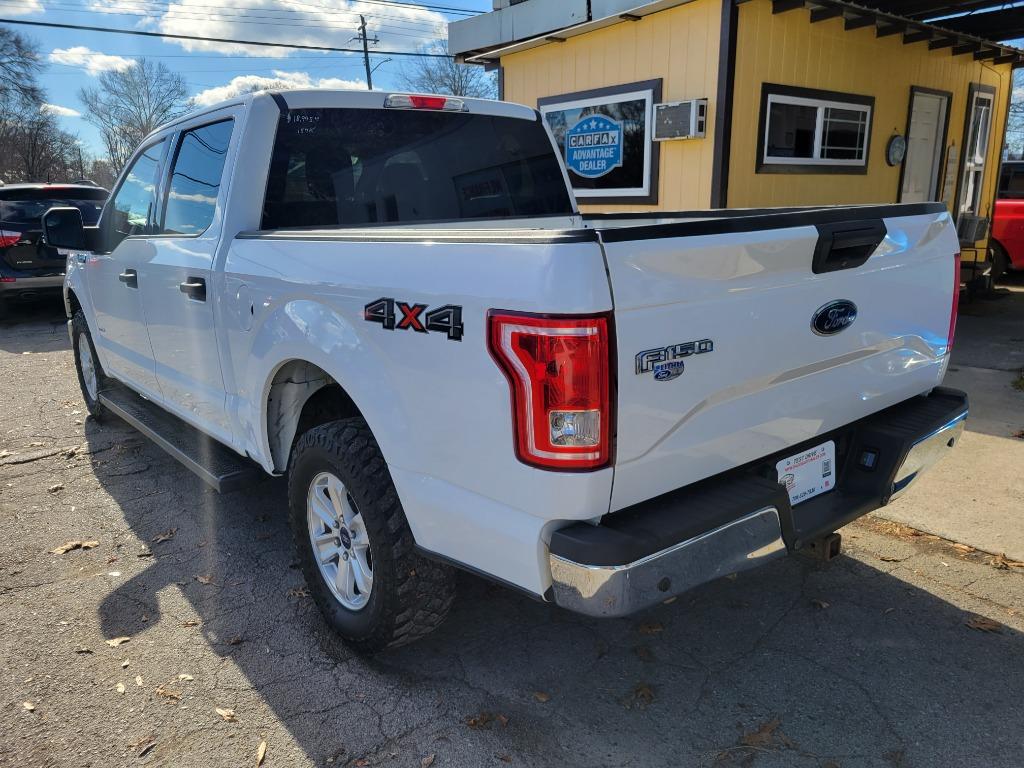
963,27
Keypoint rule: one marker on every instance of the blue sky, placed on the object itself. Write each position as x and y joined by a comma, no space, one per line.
213,71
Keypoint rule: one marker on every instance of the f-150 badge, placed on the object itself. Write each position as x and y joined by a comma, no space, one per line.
667,363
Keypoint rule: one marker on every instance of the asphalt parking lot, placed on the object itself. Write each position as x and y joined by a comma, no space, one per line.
184,636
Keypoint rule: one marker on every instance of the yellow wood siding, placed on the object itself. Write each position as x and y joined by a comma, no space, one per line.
679,45
787,49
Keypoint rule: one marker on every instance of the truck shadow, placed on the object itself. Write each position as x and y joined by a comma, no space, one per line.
795,664
38,325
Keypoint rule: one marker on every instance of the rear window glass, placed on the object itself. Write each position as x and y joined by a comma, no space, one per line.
1011,181
353,167
28,208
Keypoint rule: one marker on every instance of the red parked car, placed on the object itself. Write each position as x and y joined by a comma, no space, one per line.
1008,223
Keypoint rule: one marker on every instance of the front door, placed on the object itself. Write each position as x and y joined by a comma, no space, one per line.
178,286
922,166
113,274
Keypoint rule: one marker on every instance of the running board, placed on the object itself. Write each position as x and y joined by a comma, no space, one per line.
216,464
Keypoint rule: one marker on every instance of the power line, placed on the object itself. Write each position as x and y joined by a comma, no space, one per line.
296,46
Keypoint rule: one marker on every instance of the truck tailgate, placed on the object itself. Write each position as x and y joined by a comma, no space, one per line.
718,360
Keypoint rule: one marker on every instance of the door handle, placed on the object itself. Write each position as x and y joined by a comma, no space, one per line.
194,288
130,278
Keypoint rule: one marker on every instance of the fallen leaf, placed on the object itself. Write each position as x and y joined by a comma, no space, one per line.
55,487
542,697
261,753
168,693
298,592
236,640
190,623
138,680
362,762
984,624
70,546
887,611
124,664
227,714
1002,562
640,697
964,548
185,677
483,720
888,559
762,736
5,453
83,649
204,579
427,761
505,758
29,706
167,535
120,687
821,605
146,748
650,628
117,641
503,719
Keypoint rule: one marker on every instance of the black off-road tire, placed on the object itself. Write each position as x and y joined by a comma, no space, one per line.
1000,261
80,335
411,595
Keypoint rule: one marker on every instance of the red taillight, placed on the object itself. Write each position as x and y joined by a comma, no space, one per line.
8,279
8,238
956,303
559,372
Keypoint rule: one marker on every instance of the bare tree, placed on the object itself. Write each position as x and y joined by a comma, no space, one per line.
35,147
447,76
1015,123
128,105
19,67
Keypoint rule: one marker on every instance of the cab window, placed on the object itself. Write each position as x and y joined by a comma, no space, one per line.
196,178
131,210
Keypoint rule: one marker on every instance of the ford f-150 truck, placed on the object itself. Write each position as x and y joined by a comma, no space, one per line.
393,300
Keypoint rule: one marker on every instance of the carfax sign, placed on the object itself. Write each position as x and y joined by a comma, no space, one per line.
605,138
593,147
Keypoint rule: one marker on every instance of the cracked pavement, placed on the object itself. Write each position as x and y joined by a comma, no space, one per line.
866,661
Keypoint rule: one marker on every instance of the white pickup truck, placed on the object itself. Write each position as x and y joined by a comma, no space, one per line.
393,300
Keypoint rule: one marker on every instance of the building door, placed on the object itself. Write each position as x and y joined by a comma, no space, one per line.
926,139
976,138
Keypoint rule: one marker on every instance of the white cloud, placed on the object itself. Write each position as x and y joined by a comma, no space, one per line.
327,22
93,62
22,7
56,109
280,81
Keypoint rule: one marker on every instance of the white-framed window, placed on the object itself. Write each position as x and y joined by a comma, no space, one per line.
980,105
804,130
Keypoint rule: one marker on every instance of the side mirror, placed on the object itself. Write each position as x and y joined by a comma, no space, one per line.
63,228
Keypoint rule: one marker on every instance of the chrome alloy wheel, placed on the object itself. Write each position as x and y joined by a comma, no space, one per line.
341,545
88,366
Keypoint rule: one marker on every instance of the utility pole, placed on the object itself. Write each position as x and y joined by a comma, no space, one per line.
366,50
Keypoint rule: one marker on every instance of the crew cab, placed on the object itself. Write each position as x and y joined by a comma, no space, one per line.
1008,222
393,300
29,268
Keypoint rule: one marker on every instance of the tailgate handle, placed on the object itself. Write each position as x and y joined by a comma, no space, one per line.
846,245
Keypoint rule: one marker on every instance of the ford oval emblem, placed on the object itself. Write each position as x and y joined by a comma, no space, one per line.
834,317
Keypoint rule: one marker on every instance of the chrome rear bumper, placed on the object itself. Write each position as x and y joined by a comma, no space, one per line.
925,452
619,590
700,533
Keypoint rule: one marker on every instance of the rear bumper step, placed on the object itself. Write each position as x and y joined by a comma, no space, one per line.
641,556
216,464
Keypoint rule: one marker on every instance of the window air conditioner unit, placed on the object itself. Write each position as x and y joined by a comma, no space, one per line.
680,119
971,228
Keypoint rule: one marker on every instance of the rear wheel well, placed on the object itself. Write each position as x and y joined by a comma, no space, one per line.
302,396
72,305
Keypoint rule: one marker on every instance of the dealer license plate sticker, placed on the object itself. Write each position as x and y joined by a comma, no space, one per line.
810,473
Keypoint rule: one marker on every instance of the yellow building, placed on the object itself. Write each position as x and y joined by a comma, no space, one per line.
695,104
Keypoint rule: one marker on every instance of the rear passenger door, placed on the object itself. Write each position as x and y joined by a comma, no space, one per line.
178,289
